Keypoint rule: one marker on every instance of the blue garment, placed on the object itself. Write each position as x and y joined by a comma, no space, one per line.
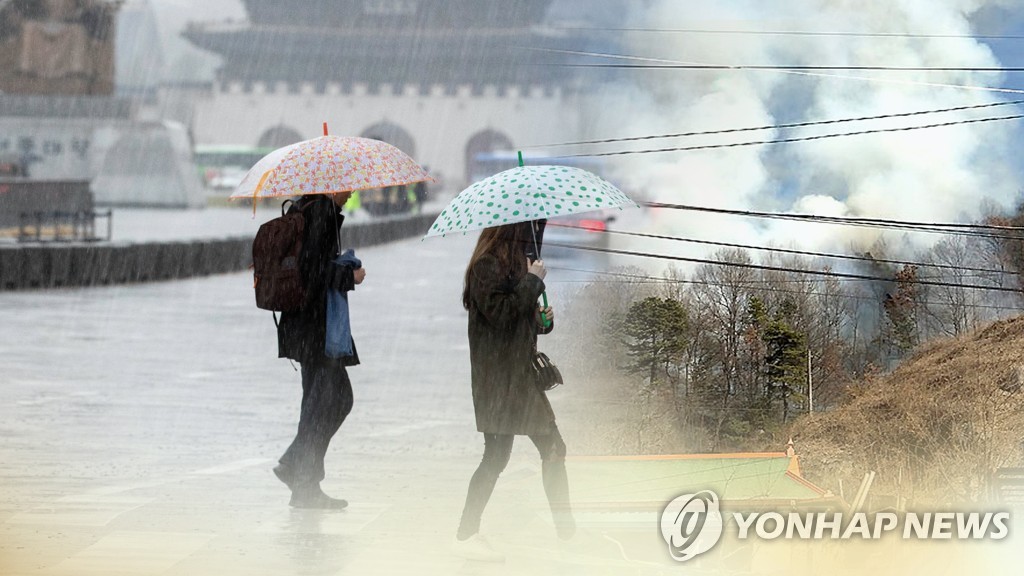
339,331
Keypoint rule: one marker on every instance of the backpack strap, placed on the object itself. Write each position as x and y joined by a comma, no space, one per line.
302,203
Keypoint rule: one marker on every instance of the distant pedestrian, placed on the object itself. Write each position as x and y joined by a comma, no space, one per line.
401,198
500,292
420,192
326,389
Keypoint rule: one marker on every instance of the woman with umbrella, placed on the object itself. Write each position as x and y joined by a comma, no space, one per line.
324,172
503,281
501,289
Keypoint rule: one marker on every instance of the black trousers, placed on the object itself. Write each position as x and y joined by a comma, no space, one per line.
497,449
326,401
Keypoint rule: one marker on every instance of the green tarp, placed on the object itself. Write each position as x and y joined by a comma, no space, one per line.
644,480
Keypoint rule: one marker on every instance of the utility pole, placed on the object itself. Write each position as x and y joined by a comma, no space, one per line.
810,384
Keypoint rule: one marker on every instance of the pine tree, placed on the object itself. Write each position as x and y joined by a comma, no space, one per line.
655,331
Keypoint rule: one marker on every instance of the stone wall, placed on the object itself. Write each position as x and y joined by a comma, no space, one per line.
74,265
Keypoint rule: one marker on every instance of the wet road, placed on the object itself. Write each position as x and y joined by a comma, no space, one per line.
140,423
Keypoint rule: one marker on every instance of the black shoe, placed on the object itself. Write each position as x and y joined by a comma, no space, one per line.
316,499
283,474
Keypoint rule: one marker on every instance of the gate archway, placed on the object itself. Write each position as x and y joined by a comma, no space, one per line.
279,136
392,134
482,142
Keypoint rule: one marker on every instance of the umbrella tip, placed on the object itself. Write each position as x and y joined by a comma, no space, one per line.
520,157
325,128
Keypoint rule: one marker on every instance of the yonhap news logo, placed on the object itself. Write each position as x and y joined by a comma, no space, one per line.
691,525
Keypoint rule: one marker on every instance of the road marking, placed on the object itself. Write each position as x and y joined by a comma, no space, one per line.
50,398
402,429
81,510
232,466
118,489
428,557
131,553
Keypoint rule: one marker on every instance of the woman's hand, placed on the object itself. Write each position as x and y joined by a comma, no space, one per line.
547,314
358,275
537,269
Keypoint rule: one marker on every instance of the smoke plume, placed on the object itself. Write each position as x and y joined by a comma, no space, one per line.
940,174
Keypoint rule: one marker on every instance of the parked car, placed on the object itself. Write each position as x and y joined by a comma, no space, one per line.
567,238
12,166
225,177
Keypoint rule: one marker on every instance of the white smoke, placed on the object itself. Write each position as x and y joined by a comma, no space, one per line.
939,174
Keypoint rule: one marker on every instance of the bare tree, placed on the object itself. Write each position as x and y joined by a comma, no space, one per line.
594,312
721,293
830,334
950,309
676,286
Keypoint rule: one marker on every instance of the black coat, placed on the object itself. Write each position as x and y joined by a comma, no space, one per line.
503,328
302,335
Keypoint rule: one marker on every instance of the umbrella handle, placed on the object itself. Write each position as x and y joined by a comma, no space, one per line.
543,318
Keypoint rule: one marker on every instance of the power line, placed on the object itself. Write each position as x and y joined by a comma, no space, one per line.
781,126
777,281
799,139
929,227
794,67
764,288
831,274
788,71
795,33
791,251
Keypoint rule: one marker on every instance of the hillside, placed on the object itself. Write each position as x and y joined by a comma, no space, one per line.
934,428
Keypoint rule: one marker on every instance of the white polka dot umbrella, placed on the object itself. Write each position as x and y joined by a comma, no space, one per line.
527,193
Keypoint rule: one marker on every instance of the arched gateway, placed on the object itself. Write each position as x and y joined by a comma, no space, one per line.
434,77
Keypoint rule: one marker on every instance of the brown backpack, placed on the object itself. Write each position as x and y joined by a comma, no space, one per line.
275,259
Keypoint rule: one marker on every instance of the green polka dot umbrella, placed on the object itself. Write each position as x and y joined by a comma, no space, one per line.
527,193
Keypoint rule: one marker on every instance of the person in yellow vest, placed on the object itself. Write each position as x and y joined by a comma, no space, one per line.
353,202
411,200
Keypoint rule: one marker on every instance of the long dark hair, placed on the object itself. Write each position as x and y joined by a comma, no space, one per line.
508,245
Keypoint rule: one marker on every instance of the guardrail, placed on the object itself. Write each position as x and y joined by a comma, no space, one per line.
52,265
79,226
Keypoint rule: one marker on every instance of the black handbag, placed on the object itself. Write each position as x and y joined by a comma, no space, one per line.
545,372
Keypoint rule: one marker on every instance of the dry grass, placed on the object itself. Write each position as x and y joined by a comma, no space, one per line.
935,428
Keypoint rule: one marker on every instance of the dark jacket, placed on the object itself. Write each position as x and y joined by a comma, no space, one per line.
301,335
503,328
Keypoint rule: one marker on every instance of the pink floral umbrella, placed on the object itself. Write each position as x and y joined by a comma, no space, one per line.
328,165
